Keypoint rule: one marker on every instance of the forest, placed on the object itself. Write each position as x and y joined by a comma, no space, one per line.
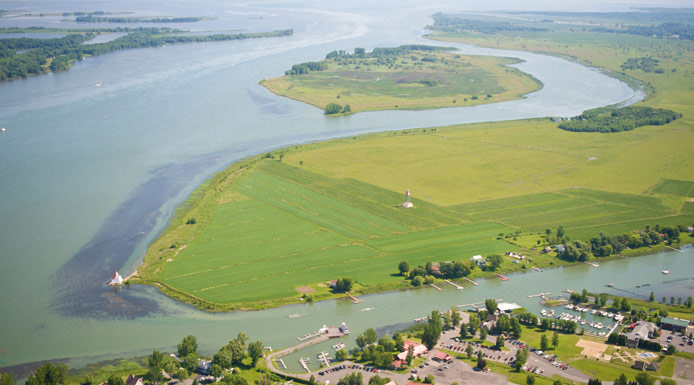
452,23
97,19
21,57
606,120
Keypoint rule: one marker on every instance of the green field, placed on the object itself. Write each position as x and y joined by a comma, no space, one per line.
408,82
281,224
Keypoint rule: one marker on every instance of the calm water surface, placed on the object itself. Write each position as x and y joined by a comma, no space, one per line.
90,174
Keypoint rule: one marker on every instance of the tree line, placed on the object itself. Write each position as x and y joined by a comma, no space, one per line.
97,19
452,23
67,49
680,30
646,64
618,120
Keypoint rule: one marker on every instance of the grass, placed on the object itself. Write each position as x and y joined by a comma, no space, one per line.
398,82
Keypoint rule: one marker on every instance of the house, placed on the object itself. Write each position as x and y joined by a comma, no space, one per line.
391,383
559,248
479,260
652,367
435,270
333,283
639,365
418,350
547,250
674,324
442,357
505,307
489,326
132,380
396,364
642,331
690,229
204,367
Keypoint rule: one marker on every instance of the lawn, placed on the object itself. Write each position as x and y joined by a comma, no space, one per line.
411,80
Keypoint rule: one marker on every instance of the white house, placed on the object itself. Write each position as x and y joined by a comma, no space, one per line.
479,260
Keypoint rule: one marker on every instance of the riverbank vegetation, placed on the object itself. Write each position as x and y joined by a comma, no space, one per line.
135,19
619,119
405,77
22,57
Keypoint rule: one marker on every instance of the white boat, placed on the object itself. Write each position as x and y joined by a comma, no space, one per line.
583,322
3,129
367,309
599,325
593,311
293,316
665,271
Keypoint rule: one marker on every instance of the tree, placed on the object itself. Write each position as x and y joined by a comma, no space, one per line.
481,363
410,355
49,374
312,380
187,346
530,380
469,351
432,330
264,379
115,380
332,108
429,379
224,358
242,338
667,381
499,342
594,381
671,350
483,334
370,335
341,355
495,261
560,232
463,331
216,370
644,379
238,352
343,284
8,379
516,329
491,305
446,321
555,339
190,362
398,341
154,375
455,316
255,351
543,342
651,298
556,382
347,109
521,358
404,268
621,380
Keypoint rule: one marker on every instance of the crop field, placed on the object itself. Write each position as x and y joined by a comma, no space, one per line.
408,82
675,187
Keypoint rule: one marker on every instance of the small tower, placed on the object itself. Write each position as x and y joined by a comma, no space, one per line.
408,200
116,279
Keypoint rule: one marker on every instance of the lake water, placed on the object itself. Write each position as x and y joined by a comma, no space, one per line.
90,174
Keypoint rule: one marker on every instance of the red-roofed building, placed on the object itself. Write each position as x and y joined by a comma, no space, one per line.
418,350
441,357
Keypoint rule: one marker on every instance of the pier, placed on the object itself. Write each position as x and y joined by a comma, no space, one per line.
503,278
353,298
420,319
435,287
323,356
539,295
303,365
672,248
308,336
477,303
281,362
471,281
616,325
454,284
592,264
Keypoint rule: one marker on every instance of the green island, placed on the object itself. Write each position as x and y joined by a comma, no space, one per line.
22,57
101,19
278,228
411,77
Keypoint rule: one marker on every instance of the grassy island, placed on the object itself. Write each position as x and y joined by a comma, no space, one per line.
276,228
407,77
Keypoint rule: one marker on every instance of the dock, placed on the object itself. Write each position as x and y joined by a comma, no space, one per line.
420,319
323,356
354,299
477,303
503,278
616,324
281,362
471,281
454,284
672,248
539,295
537,269
303,365
435,287
592,264
308,336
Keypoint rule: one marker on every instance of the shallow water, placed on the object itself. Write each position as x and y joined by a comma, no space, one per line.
92,173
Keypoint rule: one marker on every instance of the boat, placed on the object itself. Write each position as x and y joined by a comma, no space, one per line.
593,311
3,129
599,325
610,285
665,271
367,309
99,84
583,322
293,316
344,329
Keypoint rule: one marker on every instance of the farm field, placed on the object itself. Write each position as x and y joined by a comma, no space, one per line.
411,80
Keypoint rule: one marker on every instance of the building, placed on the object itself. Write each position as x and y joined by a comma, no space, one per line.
479,260
674,324
116,279
132,380
505,307
204,367
442,357
418,350
547,250
639,365
559,248
642,331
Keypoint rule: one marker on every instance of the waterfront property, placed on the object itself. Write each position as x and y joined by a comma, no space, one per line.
674,324
642,331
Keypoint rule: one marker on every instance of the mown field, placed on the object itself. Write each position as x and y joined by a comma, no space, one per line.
407,82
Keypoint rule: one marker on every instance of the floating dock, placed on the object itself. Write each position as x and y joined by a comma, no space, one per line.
539,295
503,278
308,336
323,356
672,248
592,264
353,298
435,287
303,365
454,284
471,281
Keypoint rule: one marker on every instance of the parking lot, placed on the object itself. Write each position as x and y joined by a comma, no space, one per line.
681,343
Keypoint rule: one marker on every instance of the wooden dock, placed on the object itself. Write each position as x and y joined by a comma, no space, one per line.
303,365
454,284
671,248
503,278
477,303
538,295
420,319
471,281
281,362
323,356
435,287
353,298
592,264
308,336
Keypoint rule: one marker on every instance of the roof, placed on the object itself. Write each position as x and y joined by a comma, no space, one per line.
639,365
641,331
674,321
442,356
132,380
419,349
505,306
477,258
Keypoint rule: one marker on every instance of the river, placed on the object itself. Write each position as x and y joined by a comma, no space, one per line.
90,174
